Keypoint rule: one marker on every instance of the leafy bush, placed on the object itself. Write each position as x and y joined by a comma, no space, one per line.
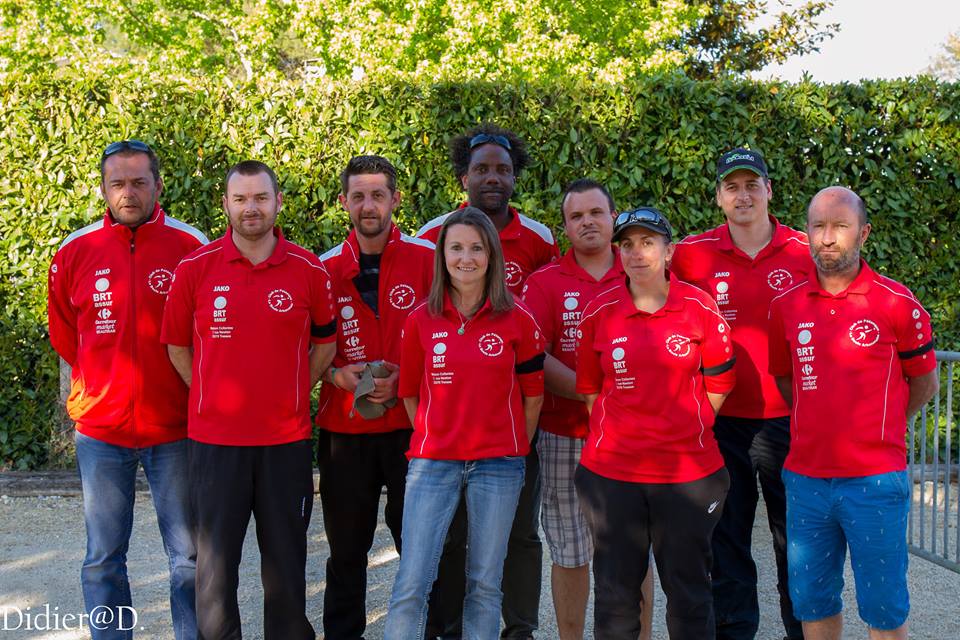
654,141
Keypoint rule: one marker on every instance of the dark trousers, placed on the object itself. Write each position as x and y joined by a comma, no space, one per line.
275,484
752,450
627,519
354,468
521,569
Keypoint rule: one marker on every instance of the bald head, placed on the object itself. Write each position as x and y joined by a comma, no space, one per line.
833,197
837,227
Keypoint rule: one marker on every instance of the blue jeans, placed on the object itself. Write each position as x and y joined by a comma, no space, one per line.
108,475
492,488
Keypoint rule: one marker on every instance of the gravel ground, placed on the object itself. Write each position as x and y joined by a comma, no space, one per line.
42,541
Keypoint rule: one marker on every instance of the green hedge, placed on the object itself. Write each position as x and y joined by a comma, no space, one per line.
896,143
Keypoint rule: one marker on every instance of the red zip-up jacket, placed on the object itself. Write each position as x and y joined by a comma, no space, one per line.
107,286
406,271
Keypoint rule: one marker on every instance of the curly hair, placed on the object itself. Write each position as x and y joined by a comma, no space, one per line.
460,148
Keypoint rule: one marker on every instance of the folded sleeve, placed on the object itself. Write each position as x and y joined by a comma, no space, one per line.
177,327
589,369
529,357
411,358
779,363
716,355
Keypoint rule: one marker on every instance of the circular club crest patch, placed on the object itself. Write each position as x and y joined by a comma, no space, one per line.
864,333
402,296
490,344
159,281
779,279
280,300
678,345
514,273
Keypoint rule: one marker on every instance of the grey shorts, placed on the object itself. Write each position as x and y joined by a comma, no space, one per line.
564,526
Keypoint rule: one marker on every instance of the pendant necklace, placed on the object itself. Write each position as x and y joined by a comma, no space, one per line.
463,324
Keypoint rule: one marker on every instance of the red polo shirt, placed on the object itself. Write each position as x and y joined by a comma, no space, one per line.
406,271
471,386
850,356
250,328
527,246
743,287
652,421
557,295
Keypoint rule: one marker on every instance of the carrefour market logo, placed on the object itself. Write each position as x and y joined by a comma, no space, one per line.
779,279
514,273
490,344
678,345
159,281
864,333
402,296
280,300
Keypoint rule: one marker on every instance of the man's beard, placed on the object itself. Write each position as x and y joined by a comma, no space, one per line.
843,262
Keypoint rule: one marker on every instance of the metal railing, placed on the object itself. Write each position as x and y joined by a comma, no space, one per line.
933,530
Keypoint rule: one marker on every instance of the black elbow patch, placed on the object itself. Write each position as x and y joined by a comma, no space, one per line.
532,365
906,355
323,331
720,368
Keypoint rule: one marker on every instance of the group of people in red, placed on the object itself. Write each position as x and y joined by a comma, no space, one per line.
626,398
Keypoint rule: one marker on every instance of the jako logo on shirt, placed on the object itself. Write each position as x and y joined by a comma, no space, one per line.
280,300
864,333
402,296
678,345
514,273
779,279
490,344
159,281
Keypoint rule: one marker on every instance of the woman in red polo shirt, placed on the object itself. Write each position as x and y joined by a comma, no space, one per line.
654,363
471,378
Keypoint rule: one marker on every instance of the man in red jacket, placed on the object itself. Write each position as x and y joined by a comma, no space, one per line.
377,275
487,160
107,287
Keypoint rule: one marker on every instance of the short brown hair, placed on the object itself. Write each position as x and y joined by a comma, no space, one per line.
252,168
363,165
495,285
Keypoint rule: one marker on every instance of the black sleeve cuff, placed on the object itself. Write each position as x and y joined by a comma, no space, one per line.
323,331
906,355
720,368
532,365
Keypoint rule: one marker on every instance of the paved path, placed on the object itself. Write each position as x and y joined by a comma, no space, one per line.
42,539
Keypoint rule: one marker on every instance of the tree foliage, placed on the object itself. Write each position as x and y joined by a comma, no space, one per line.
652,141
394,39
946,64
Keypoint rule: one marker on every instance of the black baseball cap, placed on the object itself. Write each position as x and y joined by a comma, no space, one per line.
741,159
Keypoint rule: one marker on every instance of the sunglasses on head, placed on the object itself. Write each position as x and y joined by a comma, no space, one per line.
485,138
126,145
645,215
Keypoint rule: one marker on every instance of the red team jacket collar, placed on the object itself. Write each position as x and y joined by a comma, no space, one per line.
780,236
231,253
351,263
674,299
513,228
861,284
155,220
570,267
